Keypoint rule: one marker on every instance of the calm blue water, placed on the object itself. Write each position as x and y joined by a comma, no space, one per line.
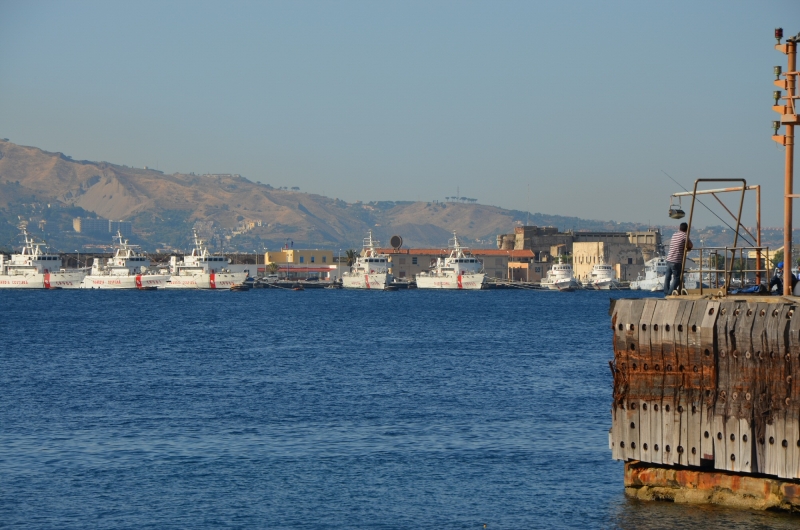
315,409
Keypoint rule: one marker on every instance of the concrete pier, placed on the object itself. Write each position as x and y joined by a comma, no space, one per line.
710,385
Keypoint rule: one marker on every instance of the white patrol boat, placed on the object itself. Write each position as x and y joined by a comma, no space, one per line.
560,277
602,278
370,271
202,270
34,269
459,270
653,279
128,269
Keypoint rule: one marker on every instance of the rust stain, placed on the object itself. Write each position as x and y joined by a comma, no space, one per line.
737,358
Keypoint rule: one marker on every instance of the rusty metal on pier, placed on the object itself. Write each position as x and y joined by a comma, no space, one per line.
708,382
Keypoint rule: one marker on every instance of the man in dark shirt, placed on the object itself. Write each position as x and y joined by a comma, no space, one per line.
675,259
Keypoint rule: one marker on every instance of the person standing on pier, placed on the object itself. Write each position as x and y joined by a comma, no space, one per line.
672,278
777,279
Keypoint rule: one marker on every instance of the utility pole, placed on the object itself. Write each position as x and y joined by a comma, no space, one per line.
789,119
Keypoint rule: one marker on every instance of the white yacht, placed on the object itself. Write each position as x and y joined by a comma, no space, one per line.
128,269
560,277
602,277
371,270
34,269
202,270
460,270
653,278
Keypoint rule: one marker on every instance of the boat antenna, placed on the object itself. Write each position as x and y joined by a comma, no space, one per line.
710,210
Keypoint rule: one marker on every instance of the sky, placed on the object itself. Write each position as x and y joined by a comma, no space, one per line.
578,108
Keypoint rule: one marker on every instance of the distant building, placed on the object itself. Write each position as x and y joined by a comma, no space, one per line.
124,227
625,251
299,264
102,226
90,226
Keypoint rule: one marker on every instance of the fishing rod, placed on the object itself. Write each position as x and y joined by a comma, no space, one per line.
712,211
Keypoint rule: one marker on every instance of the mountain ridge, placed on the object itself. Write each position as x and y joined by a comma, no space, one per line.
165,207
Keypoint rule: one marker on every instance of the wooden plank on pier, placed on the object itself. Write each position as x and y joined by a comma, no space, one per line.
783,317
708,345
645,452
725,323
745,447
720,446
694,380
657,377
683,393
746,335
619,319
732,433
632,446
668,432
793,368
683,442
645,373
669,386
771,435
781,443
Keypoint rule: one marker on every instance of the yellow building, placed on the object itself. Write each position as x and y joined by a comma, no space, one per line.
625,258
300,263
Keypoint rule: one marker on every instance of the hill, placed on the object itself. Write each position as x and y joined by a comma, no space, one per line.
47,190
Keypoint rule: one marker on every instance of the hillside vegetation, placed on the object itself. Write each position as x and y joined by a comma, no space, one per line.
37,185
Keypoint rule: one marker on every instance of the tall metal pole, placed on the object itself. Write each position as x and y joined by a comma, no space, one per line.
789,177
789,119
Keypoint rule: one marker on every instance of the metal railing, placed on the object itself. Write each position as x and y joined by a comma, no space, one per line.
720,268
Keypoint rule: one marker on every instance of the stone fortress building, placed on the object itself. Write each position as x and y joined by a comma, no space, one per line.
626,252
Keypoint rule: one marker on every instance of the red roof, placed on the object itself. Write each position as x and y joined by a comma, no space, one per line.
474,251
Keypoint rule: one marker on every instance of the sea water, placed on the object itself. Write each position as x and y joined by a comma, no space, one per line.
316,409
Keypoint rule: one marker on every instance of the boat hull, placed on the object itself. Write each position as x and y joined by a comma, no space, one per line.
207,280
137,281
448,281
561,284
366,281
648,285
46,280
605,285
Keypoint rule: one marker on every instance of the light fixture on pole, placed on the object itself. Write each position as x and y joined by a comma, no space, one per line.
675,210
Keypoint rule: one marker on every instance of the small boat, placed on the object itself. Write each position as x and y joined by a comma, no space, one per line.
653,278
240,287
560,277
602,278
459,270
370,271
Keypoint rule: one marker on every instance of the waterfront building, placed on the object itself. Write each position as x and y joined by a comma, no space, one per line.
299,264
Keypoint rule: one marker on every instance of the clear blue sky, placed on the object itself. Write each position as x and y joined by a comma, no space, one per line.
583,103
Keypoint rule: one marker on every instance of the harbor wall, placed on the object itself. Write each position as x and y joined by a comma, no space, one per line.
707,384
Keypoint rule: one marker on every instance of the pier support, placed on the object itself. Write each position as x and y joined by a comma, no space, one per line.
691,486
